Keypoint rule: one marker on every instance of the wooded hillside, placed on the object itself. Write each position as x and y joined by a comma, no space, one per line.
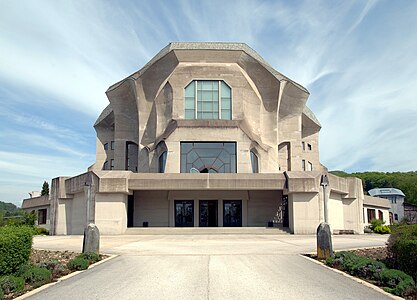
405,181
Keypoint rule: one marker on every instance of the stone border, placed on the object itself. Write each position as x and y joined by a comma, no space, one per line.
365,283
45,286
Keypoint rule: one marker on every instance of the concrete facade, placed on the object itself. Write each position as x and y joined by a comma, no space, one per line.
155,164
396,200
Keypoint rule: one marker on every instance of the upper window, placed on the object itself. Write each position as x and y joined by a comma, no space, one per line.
161,162
106,146
207,100
254,161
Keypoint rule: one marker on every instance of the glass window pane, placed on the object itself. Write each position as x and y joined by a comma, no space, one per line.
207,116
189,103
207,106
190,90
190,114
226,103
226,91
207,95
207,85
226,114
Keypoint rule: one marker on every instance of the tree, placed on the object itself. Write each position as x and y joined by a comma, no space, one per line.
45,189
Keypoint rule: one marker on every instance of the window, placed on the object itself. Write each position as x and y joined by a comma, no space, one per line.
106,146
254,161
111,164
106,165
371,215
42,216
396,217
303,165
309,147
112,145
309,166
380,215
208,157
208,100
303,145
162,162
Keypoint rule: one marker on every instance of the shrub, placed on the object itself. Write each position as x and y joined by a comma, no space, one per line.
15,248
402,249
54,266
37,276
40,231
92,257
78,264
384,229
397,282
11,284
1,294
376,223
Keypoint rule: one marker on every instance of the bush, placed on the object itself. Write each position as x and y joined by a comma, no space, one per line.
92,257
11,284
40,231
15,248
376,223
37,276
402,249
384,229
78,264
54,266
397,282
1,294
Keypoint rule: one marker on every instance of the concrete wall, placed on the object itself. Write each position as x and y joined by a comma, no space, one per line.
263,206
111,217
304,212
336,212
152,207
385,214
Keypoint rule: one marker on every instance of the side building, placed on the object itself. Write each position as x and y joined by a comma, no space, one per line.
206,135
396,199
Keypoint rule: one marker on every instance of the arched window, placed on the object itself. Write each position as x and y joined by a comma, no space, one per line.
254,161
208,99
161,162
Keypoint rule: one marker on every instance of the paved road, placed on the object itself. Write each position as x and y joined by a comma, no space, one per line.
209,267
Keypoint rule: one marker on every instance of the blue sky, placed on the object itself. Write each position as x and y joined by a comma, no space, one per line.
358,59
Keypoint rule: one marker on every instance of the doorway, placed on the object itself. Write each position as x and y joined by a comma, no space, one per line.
184,213
208,213
232,213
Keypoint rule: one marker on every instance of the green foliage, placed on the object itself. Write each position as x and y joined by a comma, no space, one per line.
45,188
18,218
54,266
402,249
37,276
11,284
10,207
397,282
40,231
384,229
1,294
78,264
92,257
405,181
375,223
15,247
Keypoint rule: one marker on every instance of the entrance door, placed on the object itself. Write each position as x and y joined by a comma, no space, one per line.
184,213
208,213
232,213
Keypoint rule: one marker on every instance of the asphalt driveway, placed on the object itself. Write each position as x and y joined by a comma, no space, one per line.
208,267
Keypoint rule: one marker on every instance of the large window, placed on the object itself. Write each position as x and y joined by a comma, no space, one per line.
254,161
208,157
208,99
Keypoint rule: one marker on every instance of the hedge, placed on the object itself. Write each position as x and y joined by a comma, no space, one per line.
15,247
37,276
402,249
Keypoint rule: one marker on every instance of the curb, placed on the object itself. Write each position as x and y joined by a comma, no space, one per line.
365,283
45,286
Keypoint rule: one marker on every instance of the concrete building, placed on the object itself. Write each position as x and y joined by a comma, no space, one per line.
396,199
376,208
206,135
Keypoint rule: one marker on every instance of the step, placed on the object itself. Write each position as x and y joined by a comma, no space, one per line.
205,230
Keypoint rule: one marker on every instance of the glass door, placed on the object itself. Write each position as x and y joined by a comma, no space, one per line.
232,213
208,213
184,213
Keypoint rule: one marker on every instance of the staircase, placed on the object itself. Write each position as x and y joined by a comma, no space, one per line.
206,230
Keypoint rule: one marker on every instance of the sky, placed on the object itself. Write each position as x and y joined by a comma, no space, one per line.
358,59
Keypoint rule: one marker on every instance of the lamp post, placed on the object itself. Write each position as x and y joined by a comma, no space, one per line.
91,242
324,235
324,182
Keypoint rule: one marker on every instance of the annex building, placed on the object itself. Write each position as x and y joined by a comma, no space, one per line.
206,135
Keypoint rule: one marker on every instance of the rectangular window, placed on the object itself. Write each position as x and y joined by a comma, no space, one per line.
380,215
303,145
309,147
309,166
303,165
208,99
111,164
106,146
208,157
106,165
42,216
371,215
